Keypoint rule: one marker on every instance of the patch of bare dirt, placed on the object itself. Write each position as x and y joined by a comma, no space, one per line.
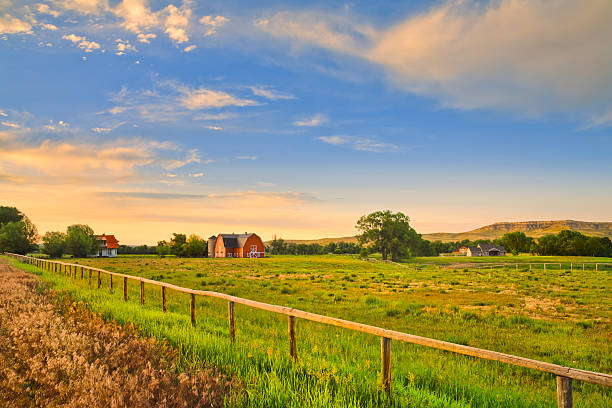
54,355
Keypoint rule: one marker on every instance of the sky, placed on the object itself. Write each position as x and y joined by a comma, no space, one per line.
293,119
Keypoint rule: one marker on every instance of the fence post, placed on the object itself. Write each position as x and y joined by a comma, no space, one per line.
529,267
565,398
232,321
111,282
583,267
596,267
544,266
385,351
164,298
292,339
81,273
99,280
193,314
141,292
75,271
89,282
125,289
571,267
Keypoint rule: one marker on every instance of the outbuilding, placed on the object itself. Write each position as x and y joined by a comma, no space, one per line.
236,246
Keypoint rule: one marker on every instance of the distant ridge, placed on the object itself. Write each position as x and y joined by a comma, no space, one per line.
534,229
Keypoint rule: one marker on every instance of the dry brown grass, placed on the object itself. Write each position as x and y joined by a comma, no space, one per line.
62,355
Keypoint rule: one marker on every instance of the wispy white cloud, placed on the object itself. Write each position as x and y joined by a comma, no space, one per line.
214,127
93,7
49,27
360,143
146,38
124,46
196,175
245,157
317,120
459,53
270,93
107,129
601,120
11,124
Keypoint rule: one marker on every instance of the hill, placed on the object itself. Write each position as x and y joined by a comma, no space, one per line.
534,229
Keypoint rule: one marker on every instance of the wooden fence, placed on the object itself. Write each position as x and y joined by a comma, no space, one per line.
565,375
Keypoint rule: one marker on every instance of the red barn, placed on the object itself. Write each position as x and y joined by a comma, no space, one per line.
236,246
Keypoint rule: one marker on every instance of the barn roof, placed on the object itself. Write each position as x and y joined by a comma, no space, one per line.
234,240
488,247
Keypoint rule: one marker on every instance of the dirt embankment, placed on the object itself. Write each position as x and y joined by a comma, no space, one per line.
60,355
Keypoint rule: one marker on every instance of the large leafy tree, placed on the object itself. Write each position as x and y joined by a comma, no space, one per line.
80,241
177,243
18,236
516,242
389,233
195,246
54,244
10,214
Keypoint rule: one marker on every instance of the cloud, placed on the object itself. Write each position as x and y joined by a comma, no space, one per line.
107,129
196,175
112,161
601,120
530,57
2,113
176,23
208,98
83,43
11,124
214,127
45,9
124,46
94,7
171,100
189,48
245,157
360,144
149,195
13,25
144,38
316,120
213,23
136,16
49,27
269,93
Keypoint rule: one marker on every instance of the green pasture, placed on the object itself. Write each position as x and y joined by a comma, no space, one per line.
559,316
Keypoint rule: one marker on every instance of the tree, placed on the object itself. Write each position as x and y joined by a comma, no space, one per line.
278,246
163,249
516,242
177,243
18,237
80,241
195,246
388,233
54,244
10,214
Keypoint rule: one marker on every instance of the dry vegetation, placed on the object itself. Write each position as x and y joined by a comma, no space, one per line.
59,354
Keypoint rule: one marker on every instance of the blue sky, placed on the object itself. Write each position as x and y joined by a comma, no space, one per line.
143,118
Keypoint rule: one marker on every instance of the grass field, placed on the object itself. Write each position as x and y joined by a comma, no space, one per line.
559,316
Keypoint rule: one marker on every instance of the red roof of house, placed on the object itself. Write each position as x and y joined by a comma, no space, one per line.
111,241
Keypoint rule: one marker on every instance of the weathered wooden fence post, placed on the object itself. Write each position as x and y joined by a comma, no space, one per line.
292,339
99,280
164,298
142,292
565,397
82,273
529,267
232,321
544,266
111,282
125,289
385,353
89,282
583,267
596,267
193,314
571,267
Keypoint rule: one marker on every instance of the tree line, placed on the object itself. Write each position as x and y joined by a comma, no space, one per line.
281,247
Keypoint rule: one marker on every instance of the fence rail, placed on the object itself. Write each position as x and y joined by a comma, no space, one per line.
565,375
490,265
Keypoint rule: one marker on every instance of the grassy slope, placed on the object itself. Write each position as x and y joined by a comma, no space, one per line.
553,316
